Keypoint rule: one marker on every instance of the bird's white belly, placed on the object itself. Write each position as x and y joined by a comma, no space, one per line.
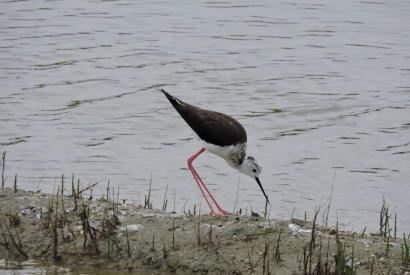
222,151
228,153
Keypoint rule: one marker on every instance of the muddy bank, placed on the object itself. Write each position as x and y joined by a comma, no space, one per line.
107,235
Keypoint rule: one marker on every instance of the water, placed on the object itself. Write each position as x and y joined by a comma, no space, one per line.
323,89
33,267
29,267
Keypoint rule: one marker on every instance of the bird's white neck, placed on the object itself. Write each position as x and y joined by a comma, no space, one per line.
241,167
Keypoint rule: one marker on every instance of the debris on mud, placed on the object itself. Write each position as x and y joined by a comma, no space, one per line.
105,234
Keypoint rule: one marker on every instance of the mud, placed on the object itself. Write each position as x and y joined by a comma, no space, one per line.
105,235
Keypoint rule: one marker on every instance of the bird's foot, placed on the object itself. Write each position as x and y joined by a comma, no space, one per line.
226,213
220,213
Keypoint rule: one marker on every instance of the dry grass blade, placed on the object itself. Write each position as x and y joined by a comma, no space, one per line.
3,164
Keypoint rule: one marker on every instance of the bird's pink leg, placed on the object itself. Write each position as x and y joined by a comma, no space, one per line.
210,195
203,187
197,178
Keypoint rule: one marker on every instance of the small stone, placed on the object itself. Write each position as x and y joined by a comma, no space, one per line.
132,227
249,238
297,229
67,236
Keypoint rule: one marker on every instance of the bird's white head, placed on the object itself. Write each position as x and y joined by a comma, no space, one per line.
251,167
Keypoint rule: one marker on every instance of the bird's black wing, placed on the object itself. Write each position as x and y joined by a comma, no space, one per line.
212,127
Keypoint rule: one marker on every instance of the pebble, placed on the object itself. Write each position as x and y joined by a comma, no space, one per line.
297,229
132,227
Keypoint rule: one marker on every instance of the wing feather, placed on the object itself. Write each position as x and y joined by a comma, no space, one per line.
212,127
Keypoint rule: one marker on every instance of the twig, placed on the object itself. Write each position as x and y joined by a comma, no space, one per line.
236,196
108,191
277,250
55,232
330,199
210,231
198,235
153,243
85,189
147,202
15,183
128,242
173,233
3,163
165,201
18,247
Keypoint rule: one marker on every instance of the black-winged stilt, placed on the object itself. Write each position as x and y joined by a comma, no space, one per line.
221,135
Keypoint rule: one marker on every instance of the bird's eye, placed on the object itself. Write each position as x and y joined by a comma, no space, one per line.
254,170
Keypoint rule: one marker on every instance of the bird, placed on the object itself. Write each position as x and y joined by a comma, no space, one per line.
221,135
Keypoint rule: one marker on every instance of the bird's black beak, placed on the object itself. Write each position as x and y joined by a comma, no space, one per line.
263,191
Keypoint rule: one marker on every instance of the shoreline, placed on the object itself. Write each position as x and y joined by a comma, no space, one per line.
105,235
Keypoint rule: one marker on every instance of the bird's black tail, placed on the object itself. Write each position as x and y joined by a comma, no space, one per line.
174,101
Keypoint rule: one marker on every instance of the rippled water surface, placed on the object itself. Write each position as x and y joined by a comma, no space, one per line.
32,267
322,87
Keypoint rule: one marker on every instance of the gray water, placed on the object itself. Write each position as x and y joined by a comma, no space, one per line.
8,267
32,267
322,87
